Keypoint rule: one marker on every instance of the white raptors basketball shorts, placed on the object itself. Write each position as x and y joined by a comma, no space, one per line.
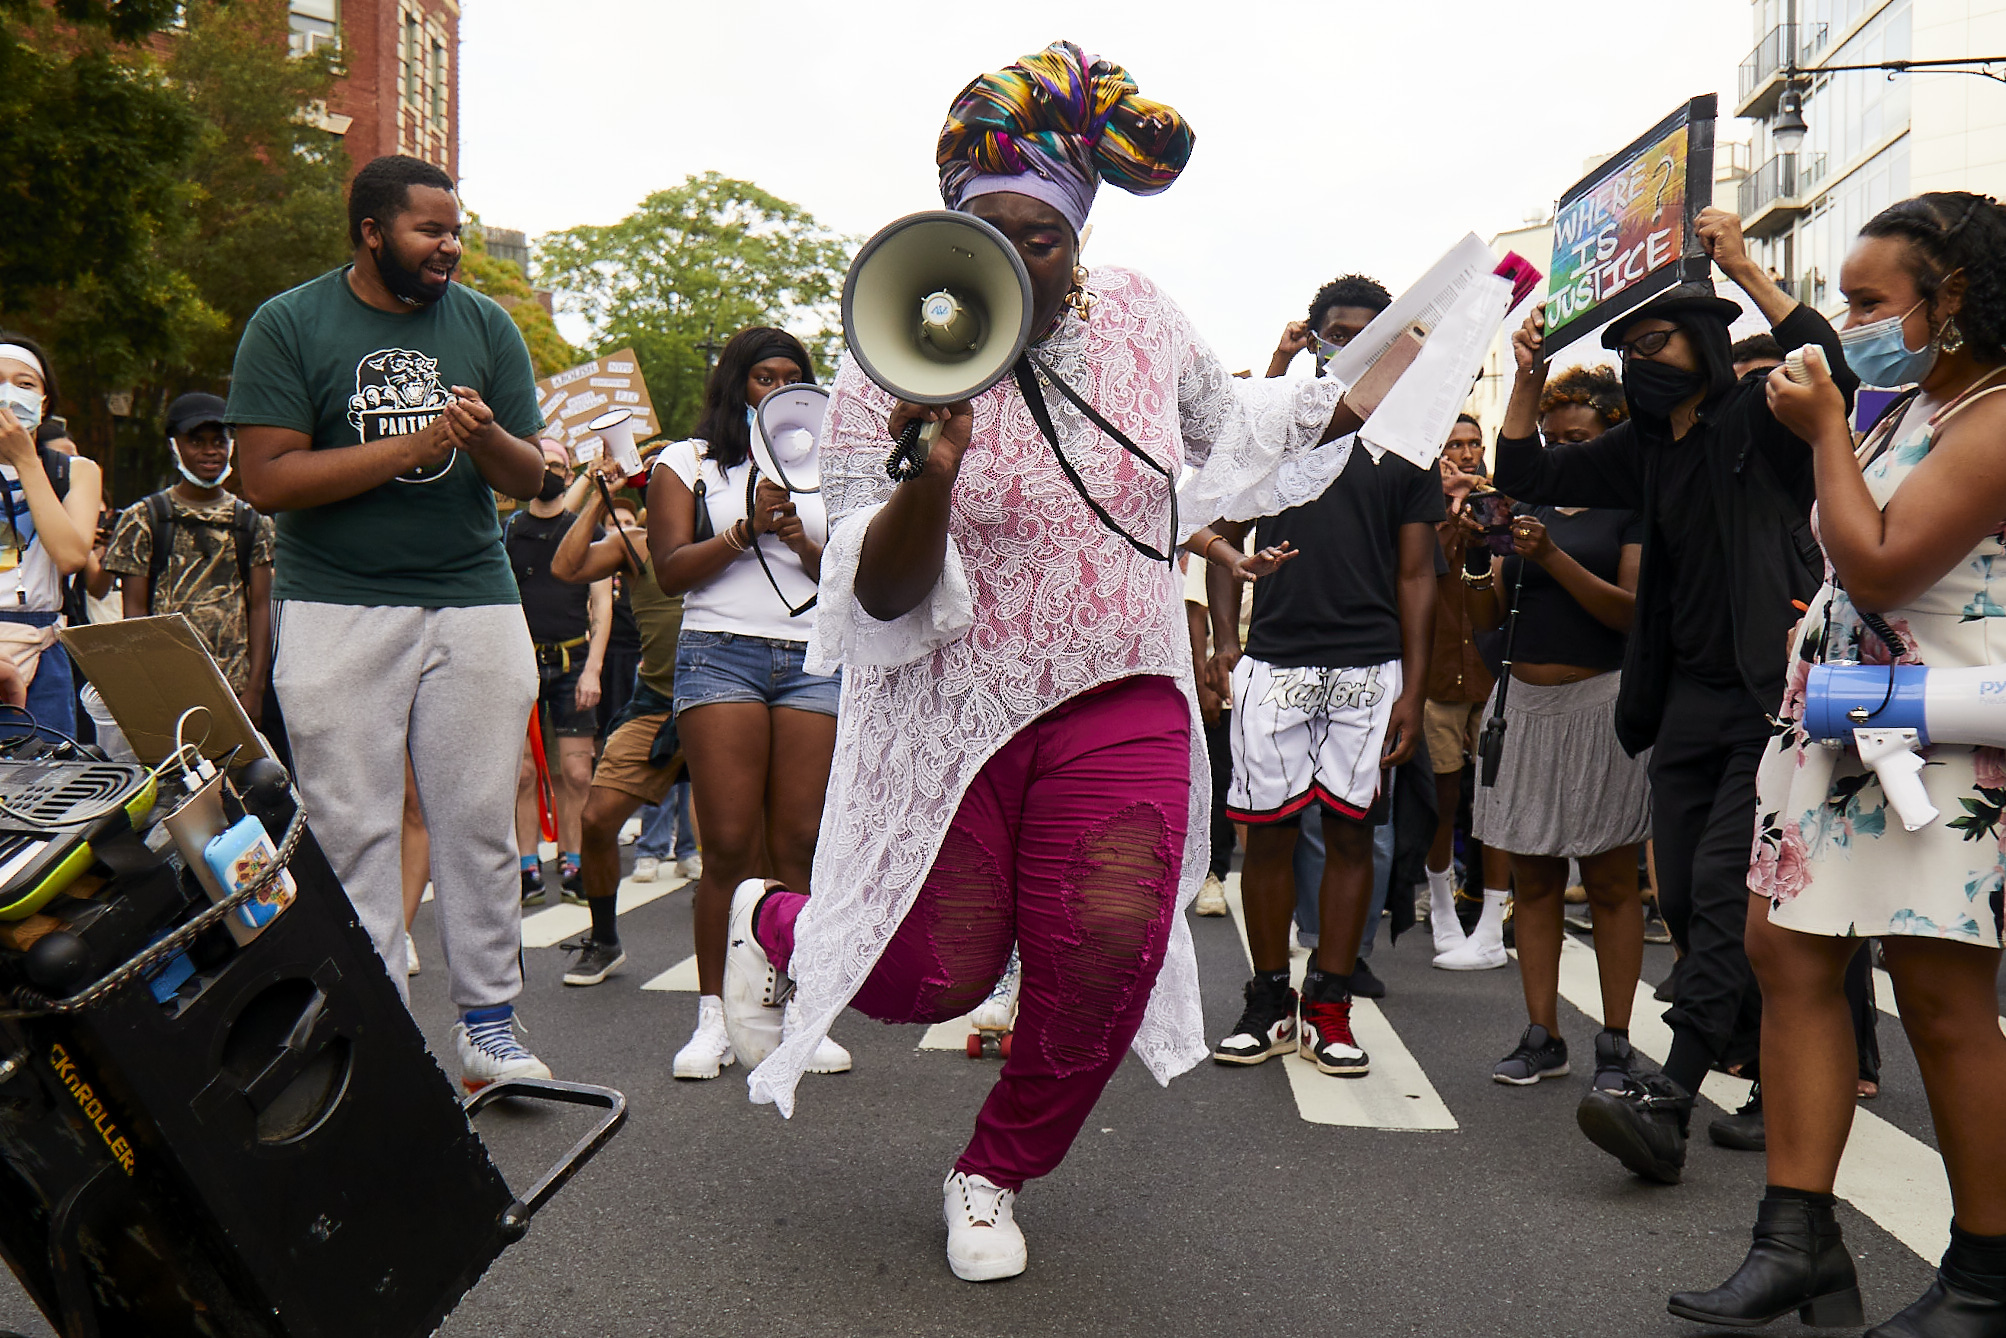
1308,733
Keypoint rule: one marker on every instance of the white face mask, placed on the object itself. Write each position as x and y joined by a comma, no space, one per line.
26,404
229,453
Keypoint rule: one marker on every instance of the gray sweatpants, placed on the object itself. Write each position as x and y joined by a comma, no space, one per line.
359,685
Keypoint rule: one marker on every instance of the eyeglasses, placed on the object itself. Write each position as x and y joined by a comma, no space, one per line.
1645,345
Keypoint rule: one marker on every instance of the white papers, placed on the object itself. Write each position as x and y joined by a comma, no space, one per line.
1415,417
1427,302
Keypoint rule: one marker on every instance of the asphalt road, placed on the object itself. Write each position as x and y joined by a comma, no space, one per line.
1209,1207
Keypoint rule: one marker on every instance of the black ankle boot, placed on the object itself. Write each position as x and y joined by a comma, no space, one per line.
1798,1262
1967,1300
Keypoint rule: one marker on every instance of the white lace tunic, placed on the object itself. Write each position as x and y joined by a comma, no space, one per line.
1037,603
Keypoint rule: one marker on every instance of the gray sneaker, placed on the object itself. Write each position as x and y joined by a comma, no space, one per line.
1539,1055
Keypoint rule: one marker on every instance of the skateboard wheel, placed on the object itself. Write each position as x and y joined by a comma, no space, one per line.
975,1045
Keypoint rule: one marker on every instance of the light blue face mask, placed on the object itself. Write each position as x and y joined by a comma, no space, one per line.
26,404
1879,354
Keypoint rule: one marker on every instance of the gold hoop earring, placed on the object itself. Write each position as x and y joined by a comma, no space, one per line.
1079,299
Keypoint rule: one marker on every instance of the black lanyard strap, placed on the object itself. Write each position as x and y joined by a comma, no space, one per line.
751,491
1028,369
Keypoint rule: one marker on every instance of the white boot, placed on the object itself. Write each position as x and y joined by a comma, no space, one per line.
998,1012
984,1242
829,1057
1484,949
709,1052
1442,921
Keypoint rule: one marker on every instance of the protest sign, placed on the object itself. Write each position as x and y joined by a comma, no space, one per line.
1624,233
576,396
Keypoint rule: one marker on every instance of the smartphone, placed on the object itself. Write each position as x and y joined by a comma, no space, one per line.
1492,510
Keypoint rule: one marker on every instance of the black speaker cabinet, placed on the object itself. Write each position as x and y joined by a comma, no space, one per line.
277,1156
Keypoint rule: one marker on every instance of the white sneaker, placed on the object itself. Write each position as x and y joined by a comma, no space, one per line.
984,1242
829,1057
1472,956
489,1051
630,831
645,869
753,988
1211,897
410,955
998,1012
690,867
709,1050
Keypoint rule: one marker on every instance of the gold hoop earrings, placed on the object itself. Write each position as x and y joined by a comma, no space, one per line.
1079,299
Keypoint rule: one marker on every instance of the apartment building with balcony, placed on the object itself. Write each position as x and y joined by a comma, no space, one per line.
399,85
1873,138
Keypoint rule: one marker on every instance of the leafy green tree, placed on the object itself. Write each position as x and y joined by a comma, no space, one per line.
93,140
267,207
692,266
504,282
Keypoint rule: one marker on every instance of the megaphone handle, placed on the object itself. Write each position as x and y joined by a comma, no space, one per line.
909,455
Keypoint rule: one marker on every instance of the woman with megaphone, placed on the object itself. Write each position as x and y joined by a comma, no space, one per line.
1019,735
755,728
1912,527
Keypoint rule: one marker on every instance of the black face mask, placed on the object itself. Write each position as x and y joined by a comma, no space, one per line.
1655,389
553,487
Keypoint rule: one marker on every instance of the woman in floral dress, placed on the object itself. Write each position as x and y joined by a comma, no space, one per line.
1911,527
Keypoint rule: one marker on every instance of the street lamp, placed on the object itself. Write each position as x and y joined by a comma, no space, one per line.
1787,130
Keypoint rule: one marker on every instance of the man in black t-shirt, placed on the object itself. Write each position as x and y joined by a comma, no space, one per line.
570,626
1329,692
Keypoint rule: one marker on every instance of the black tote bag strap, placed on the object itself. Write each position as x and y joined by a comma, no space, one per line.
1027,371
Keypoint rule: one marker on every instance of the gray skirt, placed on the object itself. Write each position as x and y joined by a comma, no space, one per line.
1564,786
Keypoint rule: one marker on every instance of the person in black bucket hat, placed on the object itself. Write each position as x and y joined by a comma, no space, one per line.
1728,559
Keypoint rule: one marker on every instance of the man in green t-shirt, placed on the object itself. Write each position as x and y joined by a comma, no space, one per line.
378,408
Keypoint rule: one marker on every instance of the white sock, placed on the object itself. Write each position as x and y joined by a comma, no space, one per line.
1448,930
1488,936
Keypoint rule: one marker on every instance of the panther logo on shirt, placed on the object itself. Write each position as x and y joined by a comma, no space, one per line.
1324,692
397,393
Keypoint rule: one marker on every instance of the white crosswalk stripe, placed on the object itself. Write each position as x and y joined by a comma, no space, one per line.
1396,1094
551,926
1892,1177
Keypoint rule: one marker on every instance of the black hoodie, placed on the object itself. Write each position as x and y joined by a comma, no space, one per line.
1761,478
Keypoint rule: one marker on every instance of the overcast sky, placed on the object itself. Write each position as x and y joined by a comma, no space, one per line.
1347,135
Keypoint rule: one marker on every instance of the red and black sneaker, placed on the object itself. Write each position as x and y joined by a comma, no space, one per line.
1268,1026
1326,1032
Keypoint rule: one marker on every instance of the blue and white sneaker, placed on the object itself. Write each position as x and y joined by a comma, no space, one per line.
489,1051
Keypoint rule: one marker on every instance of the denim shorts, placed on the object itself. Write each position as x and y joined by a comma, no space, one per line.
716,667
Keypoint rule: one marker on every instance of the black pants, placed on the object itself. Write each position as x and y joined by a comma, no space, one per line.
1703,819
1219,746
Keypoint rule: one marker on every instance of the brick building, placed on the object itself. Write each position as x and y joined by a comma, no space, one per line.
400,86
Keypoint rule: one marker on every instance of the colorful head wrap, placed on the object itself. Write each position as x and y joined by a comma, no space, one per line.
1053,126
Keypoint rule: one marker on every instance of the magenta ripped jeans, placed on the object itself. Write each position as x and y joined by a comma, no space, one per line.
1068,844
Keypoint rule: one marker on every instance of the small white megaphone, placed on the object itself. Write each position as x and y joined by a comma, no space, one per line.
1888,714
936,309
787,442
616,428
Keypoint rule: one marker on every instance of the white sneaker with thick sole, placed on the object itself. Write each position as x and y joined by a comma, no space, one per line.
690,867
1211,897
753,989
984,1242
489,1051
645,869
1471,956
709,1051
829,1057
